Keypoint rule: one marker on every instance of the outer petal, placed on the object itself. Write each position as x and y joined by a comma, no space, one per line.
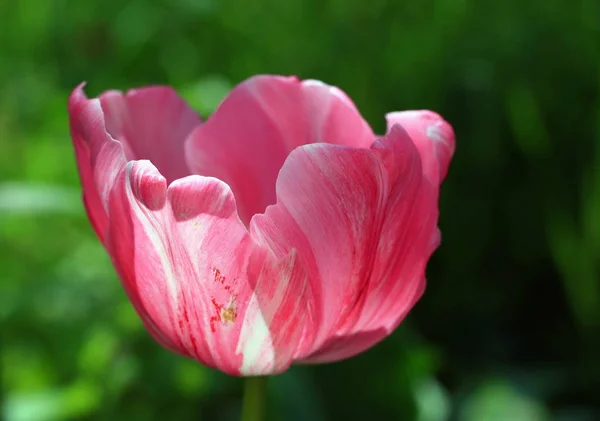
432,135
247,140
398,280
201,285
99,157
363,226
151,123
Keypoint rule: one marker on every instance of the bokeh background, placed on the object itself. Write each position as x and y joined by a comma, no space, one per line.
508,329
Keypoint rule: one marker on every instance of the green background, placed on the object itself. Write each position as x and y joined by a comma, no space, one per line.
508,329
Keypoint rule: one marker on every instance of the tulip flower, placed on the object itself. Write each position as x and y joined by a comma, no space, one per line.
280,230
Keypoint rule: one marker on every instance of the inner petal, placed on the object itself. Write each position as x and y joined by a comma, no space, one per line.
247,140
151,123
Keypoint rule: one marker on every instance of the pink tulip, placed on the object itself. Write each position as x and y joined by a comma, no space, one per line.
280,230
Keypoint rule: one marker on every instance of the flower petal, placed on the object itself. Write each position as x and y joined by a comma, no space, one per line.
261,121
99,157
358,221
432,135
409,235
151,123
200,283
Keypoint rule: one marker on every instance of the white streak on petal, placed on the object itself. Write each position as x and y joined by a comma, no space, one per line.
145,217
275,300
255,340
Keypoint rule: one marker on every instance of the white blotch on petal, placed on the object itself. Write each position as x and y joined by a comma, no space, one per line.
435,132
255,341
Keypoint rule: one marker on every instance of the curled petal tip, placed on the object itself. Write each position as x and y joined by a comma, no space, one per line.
77,96
193,195
147,184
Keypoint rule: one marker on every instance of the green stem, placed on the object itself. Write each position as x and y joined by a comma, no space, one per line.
255,399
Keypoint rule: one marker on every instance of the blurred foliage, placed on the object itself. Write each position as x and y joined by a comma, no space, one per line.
509,328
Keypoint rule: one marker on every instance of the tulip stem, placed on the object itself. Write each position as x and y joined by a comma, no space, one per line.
255,394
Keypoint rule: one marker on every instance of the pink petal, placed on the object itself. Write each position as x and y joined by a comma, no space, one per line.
262,120
362,221
198,280
99,157
432,135
151,123
398,275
